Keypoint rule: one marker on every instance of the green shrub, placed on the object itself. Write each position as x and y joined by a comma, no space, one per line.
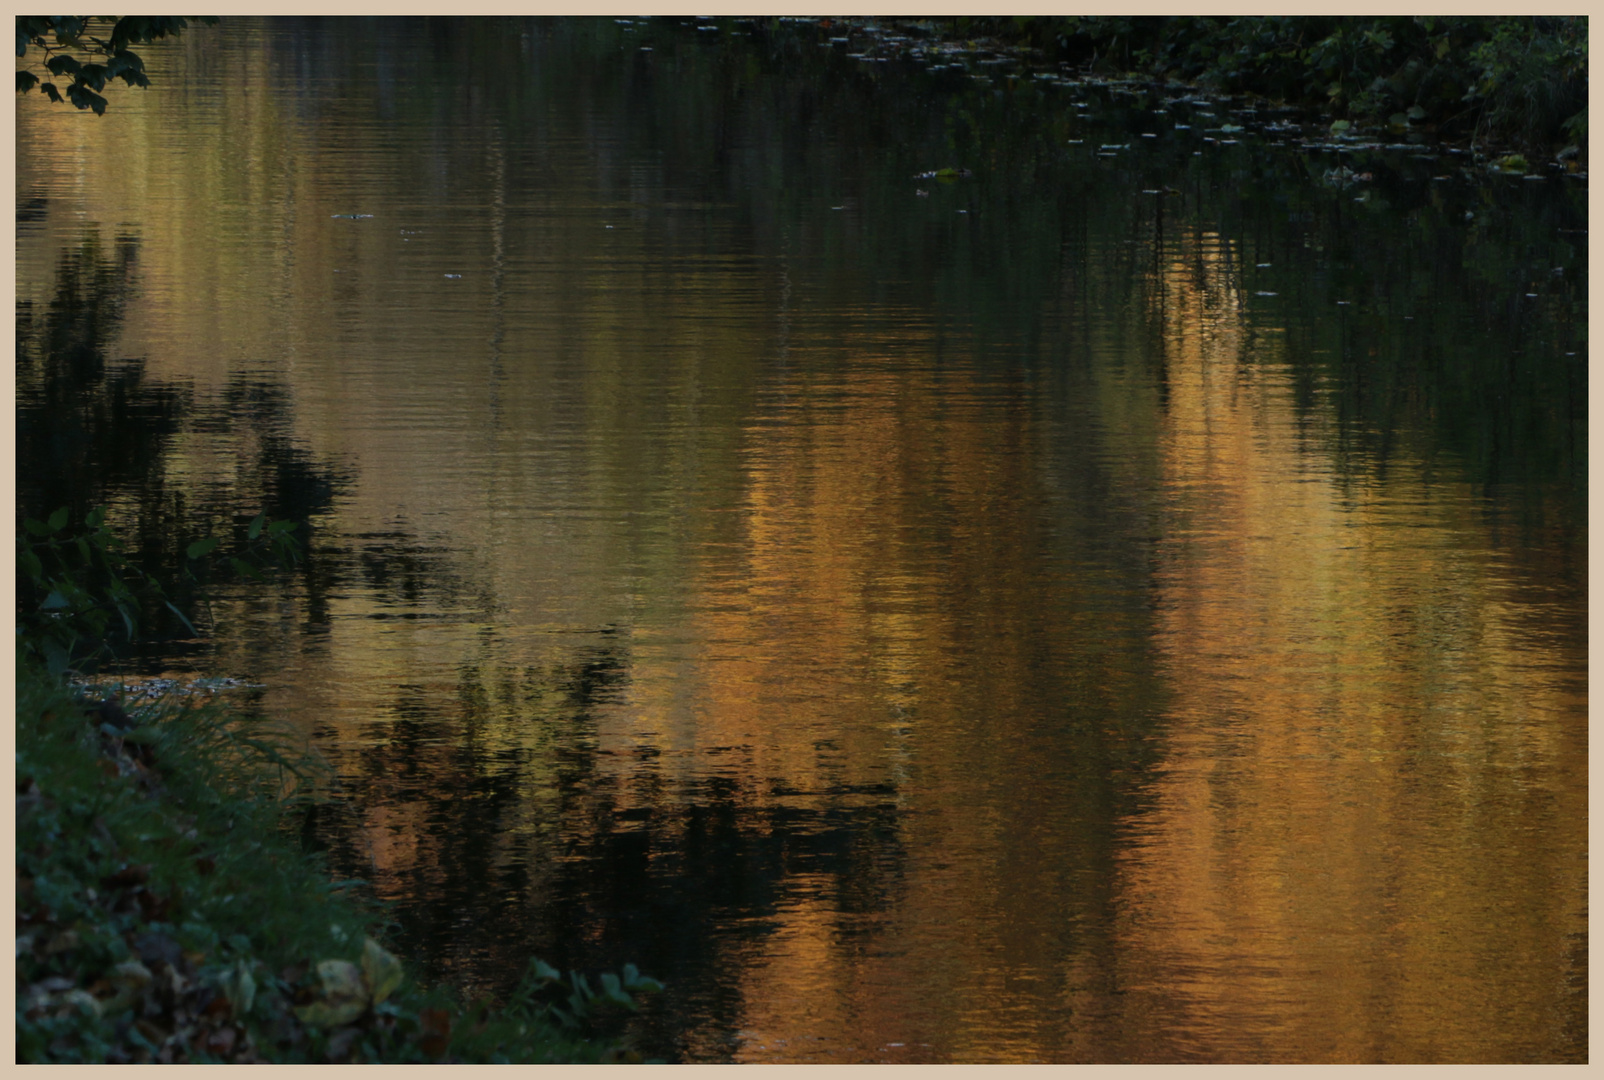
164,916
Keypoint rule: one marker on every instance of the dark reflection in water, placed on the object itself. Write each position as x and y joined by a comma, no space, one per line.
85,429
1126,604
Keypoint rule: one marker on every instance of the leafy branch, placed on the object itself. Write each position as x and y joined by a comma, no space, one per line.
89,75
77,589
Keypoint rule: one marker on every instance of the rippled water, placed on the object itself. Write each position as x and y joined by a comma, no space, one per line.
1031,619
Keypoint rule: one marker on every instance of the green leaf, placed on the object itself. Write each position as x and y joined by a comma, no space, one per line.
49,90
26,80
245,569
85,98
30,562
92,76
128,619
38,528
613,991
344,996
279,528
202,547
544,971
95,518
381,969
182,618
57,660
54,602
58,520
256,526
634,980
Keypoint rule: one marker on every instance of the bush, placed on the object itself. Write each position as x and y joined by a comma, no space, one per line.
1512,79
164,916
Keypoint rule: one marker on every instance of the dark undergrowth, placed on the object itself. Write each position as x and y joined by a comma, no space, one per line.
1505,80
164,914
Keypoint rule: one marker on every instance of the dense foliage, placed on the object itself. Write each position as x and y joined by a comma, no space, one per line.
99,59
1509,78
163,916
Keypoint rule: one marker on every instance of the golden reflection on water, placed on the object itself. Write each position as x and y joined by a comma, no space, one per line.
1216,755
1358,751
1357,745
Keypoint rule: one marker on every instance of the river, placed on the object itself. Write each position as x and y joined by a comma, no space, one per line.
1120,599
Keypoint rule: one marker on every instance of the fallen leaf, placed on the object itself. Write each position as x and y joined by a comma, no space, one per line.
239,987
341,1044
66,941
221,1041
343,995
436,1025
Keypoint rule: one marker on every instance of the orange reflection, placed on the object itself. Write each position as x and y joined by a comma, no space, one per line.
1340,855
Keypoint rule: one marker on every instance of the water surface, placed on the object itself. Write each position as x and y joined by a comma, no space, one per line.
1126,604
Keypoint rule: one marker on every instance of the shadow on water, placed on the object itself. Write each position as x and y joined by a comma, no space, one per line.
529,847
96,429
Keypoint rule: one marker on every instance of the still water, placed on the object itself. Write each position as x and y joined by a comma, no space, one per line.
1123,604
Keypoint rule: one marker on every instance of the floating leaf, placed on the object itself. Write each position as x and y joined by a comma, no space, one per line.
382,970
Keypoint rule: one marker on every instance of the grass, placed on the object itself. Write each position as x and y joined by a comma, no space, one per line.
163,915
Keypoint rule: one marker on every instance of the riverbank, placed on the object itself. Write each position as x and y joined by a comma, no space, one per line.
1494,85
166,914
